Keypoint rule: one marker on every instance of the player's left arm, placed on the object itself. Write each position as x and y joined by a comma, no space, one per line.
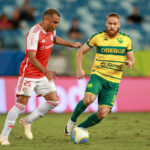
129,54
130,59
60,41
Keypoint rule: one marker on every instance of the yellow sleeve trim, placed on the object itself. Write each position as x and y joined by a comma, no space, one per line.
91,93
105,105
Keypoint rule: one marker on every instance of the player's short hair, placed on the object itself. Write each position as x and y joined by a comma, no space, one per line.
113,15
51,12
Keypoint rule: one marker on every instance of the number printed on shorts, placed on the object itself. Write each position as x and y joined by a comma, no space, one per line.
27,83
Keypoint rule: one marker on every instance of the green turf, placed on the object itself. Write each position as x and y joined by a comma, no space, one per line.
119,131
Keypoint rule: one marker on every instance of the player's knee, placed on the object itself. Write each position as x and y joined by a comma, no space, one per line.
87,100
54,98
51,96
21,99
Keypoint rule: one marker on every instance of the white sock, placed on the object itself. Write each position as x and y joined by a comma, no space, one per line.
11,118
41,110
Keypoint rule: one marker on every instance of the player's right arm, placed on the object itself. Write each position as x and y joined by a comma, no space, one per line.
34,61
79,71
85,48
60,41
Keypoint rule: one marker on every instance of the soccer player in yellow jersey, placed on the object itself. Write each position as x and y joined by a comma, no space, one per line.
112,47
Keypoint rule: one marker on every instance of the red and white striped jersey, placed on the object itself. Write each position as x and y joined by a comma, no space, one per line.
41,42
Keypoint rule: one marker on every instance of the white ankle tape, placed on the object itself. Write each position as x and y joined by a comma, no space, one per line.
53,103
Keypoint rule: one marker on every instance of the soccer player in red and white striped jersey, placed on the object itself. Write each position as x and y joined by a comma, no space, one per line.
34,74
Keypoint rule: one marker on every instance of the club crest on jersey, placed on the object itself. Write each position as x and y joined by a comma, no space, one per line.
43,41
120,40
90,85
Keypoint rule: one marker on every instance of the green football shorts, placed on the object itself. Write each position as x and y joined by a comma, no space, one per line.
105,90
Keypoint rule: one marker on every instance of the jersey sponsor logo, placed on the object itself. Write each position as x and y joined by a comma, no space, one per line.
46,47
110,65
112,50
115,66
120,40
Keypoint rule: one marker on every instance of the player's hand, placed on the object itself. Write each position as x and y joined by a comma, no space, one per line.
80,74
77,44
50,75
129,64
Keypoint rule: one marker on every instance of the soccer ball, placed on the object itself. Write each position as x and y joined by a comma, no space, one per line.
79,135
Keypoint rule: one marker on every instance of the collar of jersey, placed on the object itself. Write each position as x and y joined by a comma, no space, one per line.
42,29
107,36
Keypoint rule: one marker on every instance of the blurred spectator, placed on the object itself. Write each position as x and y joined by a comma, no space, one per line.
75,33
5,24
27,11
29,15
135,18
15,19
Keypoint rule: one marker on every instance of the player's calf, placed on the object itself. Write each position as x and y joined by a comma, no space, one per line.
38,113
42,109
89,98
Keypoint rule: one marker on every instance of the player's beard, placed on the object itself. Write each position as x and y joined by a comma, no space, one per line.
112,34
50,29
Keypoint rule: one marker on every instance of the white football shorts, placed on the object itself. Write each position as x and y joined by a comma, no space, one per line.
41,86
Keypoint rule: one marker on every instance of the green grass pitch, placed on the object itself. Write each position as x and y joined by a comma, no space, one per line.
119,131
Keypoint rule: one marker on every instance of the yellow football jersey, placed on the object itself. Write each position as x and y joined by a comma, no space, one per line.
110,55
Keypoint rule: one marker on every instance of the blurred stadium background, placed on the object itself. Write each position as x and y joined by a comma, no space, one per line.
133,96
